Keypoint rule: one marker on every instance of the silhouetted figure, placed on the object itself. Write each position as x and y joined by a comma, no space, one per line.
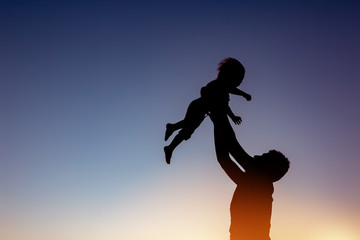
215,95
251,204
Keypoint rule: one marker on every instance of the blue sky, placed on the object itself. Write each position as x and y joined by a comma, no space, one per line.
87,88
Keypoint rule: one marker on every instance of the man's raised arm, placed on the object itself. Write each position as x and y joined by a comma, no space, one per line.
223,157
226,142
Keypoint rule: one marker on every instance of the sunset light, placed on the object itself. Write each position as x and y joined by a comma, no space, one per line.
87,88
336,232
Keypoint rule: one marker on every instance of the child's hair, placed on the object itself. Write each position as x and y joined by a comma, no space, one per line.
230,66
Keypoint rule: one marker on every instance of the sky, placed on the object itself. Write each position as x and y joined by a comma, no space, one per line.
87,87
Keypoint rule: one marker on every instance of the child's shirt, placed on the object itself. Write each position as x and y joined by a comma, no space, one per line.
215,95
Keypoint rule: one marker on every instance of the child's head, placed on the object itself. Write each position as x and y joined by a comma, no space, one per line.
231,71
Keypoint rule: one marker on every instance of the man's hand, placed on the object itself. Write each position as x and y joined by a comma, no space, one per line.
236,119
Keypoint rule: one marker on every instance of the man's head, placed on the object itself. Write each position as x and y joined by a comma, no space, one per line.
231,71
274,164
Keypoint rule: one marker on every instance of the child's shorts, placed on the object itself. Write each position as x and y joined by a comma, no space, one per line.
195,114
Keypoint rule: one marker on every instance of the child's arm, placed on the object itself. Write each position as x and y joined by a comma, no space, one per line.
236,119
239,92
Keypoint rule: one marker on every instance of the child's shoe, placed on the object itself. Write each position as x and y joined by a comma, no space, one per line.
168,153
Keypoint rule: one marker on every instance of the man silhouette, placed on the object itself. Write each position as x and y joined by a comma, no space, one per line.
251,204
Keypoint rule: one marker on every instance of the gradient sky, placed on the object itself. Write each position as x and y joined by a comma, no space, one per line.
86,88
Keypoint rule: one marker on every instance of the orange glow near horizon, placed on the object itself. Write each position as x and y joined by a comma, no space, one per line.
168,214
87,88
161,227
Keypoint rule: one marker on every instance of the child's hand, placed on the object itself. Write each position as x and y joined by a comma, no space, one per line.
236,119
248,97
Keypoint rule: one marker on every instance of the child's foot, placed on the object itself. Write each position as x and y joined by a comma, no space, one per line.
168,154
168,131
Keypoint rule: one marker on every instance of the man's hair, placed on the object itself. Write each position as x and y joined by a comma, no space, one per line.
276,165
228,66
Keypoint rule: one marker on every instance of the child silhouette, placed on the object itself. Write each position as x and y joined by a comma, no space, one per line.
215,95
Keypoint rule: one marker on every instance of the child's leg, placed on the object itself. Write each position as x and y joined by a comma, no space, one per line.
170,128
170,148
178,125
194,116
